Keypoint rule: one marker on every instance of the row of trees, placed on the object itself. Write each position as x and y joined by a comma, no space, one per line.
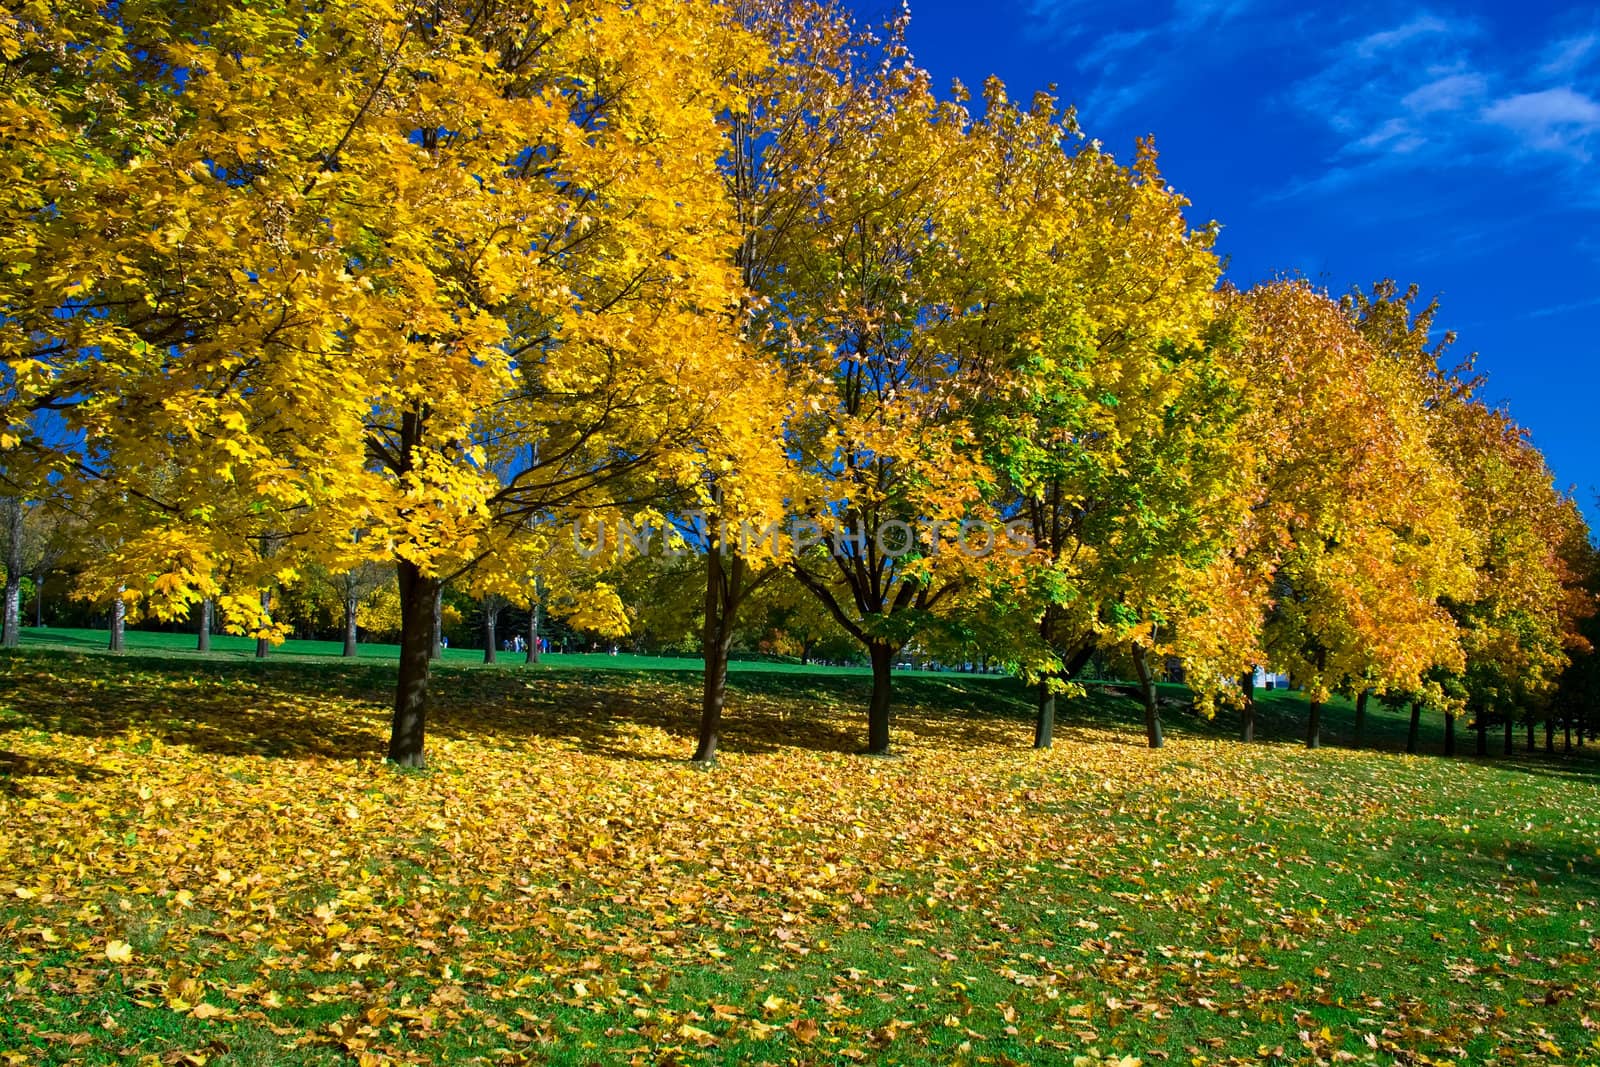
360,284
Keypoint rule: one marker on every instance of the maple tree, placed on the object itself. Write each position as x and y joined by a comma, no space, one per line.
427,275
882,305
1354,539
1116,431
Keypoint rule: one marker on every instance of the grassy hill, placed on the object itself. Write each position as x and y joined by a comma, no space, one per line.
204,860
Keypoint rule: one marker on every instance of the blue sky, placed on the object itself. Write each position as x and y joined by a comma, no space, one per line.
1451,145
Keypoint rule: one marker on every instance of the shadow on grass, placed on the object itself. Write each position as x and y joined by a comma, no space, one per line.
339,709
14,766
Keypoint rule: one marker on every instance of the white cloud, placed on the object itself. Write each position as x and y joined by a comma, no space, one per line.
1143,50
1385,40
1555,120
1567,56
1436,89
1449,93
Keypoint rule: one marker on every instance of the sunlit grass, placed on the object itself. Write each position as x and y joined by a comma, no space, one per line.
561,886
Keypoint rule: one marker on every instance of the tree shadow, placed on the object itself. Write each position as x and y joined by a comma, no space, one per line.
339,709
1579,766
14,765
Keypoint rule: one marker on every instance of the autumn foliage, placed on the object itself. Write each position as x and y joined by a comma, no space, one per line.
292,292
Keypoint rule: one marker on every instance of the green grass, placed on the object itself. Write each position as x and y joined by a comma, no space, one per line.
561,887
225,646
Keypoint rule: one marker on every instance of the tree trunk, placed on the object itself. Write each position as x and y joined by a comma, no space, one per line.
1483,733
1509,733
716,638
13,617
202,637
436,637
1414,732
1247,712
418,597
533,630
11,630
1533,744
1449,733
1361,716
882,656
1566,728
1314,725
119,614
1044,727
491,615
263,646
1550,733
352,611
38,601
1152,699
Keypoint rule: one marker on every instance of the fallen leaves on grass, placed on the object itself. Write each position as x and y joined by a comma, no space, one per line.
220,852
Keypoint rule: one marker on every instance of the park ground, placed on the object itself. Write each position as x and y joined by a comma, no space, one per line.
204,860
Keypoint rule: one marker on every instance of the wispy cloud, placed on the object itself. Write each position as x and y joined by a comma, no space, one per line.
1563,309
1375,44
1554,120
1570,54
1434,88
1139,55
1451,92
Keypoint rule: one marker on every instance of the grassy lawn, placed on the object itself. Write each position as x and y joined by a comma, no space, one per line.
226,647
204,861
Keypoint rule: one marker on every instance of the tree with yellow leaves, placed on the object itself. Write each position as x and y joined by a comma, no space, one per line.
350,259
1354,537
1113,427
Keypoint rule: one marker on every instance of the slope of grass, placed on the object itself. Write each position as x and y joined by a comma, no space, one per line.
203,861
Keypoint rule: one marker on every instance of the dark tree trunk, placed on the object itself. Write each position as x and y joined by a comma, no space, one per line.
202,639
1483,733
1361,715
436,637
882,656
1247,712
263,646
38,600
533,630
1449,733
1044,726
491,616
1314,725
1152,699
1550,733
1414,731
11,629
417,602
723,579
1566,728
119,614
1510,732
352,610
1533,744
